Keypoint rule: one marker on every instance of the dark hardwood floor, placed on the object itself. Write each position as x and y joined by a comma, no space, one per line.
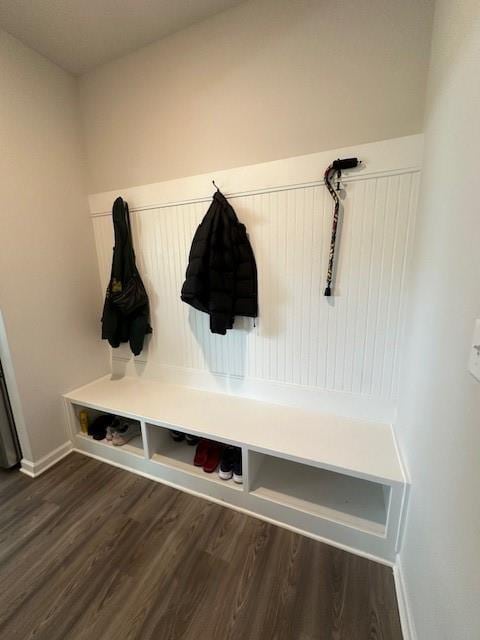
88,551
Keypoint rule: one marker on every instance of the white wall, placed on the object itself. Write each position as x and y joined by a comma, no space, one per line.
343,352
49,290
265,80
439,420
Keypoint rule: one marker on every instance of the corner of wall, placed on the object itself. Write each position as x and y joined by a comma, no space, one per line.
34,469
403,601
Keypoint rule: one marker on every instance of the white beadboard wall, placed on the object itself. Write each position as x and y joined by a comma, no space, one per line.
344,352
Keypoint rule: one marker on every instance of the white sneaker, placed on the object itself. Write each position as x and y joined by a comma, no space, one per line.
125,432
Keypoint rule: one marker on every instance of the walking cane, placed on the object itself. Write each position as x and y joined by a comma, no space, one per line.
335,168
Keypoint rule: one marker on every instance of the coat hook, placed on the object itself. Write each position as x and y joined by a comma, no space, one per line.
213,182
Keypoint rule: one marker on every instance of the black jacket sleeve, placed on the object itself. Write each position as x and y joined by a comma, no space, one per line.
221,276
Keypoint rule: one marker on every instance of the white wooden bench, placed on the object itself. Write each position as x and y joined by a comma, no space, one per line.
332,478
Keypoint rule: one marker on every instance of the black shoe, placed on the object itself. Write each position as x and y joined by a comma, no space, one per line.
225,470
237,466
177,436
98,427
191,440
231,465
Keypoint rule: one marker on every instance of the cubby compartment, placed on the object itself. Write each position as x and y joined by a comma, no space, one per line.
179,455
134,446
333,478
346,500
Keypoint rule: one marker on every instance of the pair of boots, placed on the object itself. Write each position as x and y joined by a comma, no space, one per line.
231,465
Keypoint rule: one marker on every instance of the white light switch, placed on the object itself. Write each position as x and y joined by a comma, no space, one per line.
474,364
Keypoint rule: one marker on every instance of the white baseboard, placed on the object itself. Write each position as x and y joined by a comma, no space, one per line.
34,469
404,610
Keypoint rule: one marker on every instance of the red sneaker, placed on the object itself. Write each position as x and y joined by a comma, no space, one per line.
213,457
201,453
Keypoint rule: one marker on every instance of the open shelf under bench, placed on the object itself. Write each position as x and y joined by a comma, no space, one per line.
337,497
178,455
330,477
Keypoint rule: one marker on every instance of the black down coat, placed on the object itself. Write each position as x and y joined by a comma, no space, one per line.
126,311
221,277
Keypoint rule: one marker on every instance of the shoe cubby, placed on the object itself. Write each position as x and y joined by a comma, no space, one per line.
134,446
335,479
163,450
343,499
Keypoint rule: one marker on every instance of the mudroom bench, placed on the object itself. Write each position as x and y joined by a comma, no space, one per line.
332,478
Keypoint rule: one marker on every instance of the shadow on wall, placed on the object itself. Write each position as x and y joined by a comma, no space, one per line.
229,355
224,355
254,212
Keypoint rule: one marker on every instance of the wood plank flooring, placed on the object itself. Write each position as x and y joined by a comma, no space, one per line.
90,551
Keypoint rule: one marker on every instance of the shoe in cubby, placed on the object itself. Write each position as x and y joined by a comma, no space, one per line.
225,471
214,455
237,466
125,431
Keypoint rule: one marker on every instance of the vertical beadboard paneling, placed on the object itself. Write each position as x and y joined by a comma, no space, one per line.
349,343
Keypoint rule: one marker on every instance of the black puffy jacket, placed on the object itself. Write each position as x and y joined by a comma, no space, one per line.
126,311
221,277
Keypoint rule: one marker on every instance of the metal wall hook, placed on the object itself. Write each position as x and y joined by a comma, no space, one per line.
213,182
